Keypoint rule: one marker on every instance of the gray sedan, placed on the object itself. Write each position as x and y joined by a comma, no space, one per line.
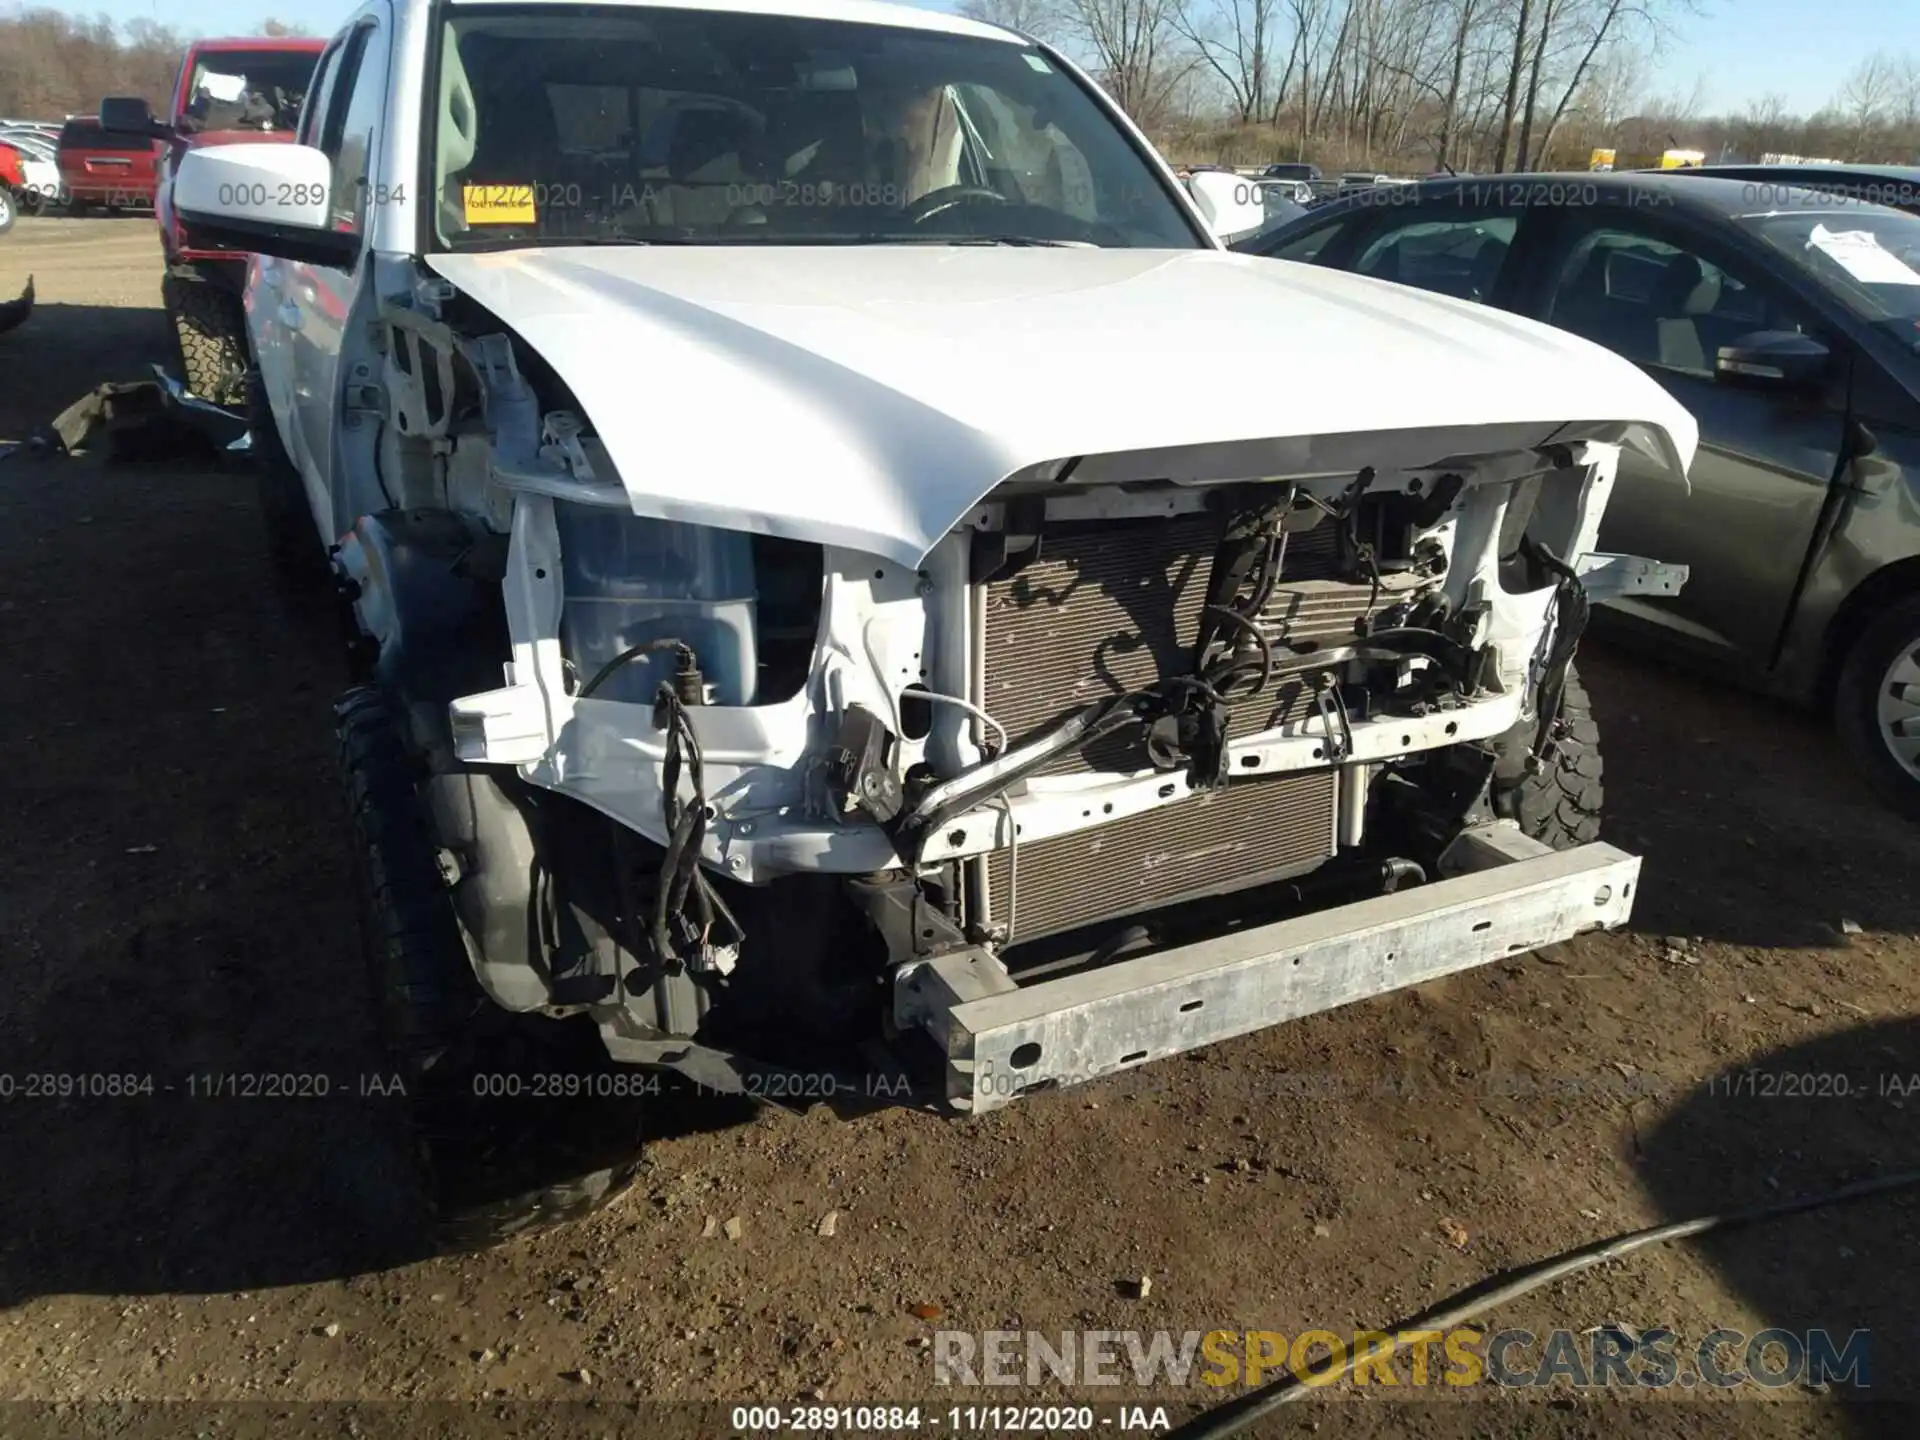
1788,322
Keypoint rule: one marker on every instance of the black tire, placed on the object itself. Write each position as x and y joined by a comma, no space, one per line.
210,329
1856,702
490,1167
9,209
1559,804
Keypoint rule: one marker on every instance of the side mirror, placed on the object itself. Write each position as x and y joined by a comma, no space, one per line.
130,115
1779,358
1230,204
270,199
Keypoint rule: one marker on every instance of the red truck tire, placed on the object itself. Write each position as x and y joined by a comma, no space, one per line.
210,329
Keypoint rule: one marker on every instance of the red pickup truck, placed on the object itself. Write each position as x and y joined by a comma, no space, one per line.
227,90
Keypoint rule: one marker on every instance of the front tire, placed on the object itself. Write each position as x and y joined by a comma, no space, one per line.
9,209
491,1165
1877,704
1559,803
210,331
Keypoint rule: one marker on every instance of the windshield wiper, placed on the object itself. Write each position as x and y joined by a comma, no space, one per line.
1035,241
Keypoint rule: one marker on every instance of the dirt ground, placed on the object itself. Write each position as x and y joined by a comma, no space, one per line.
174,904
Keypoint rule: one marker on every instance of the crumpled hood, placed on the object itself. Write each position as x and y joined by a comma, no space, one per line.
868,396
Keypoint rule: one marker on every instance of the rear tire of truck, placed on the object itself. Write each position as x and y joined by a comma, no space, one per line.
1559,804
210,329
1877,703
506,1142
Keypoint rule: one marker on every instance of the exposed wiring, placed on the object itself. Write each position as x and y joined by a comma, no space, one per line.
999,730
1234,1416
1013,863
1231,667
684,894
683,653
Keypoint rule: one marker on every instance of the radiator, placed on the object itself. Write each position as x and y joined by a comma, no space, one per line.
1111,607
1219,840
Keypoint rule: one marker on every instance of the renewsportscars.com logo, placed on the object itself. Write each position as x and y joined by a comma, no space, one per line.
1604,1356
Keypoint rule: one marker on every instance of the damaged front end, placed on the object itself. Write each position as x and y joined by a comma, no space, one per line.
1118,768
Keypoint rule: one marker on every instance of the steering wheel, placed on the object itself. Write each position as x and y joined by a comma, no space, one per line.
948,197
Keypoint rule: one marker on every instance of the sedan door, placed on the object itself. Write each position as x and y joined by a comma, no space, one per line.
1668,296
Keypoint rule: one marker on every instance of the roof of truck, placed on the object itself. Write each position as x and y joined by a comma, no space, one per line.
315,43
865,12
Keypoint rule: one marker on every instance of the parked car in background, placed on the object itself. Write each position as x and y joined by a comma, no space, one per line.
39,167
109,170
227,91
1360,180
1296,170
1895,185
13,186
1789,324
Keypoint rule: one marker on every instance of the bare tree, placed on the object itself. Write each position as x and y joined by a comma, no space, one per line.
1234,39
1874,83
1038,18
1135,49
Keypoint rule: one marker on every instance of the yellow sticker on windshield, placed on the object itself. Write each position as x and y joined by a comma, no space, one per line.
498,204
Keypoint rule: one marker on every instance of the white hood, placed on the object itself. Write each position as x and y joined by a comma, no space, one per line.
868,396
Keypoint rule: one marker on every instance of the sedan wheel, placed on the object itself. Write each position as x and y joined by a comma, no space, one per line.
1877,703
1900,711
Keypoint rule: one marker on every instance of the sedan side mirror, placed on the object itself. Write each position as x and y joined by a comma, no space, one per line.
271,199
1778,358
130,115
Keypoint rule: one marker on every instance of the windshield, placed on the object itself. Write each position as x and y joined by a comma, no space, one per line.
247,90
630,125
1867,256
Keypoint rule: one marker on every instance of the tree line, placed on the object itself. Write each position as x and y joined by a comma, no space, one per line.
53,64
1399,85
1429,85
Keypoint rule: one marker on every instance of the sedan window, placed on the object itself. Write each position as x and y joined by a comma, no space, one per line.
1867,257
1460,256
1657,303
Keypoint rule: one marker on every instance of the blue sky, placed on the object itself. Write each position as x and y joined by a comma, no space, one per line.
1800,49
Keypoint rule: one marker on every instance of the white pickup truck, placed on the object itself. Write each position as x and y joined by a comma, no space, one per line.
854,581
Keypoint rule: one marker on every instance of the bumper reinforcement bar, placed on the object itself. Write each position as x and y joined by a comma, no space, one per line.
1003,1040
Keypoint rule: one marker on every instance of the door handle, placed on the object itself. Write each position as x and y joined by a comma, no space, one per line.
290,315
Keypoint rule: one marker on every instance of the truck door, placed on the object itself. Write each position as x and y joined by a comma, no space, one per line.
317,300
268,312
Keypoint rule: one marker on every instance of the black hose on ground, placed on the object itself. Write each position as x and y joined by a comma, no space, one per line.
1464,1305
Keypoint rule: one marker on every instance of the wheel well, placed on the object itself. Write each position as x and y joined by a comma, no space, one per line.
1883,587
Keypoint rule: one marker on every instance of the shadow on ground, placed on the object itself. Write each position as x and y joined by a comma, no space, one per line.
1754,827
63,351
1798,1121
